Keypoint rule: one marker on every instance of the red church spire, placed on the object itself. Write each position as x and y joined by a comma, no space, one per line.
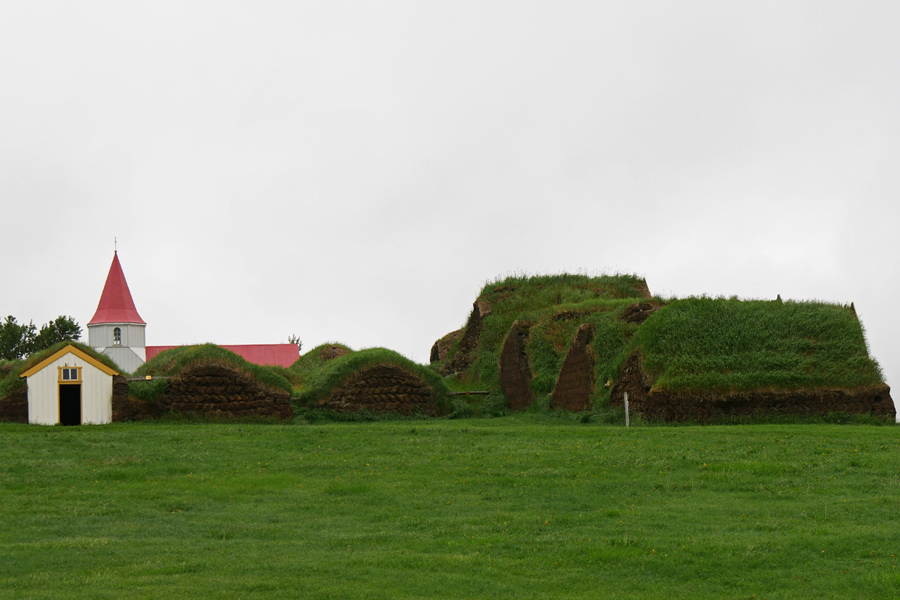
116,305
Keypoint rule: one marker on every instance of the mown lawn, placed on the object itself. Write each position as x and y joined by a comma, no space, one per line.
518,507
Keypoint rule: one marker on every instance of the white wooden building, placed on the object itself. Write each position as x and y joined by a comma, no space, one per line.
70,387
116,329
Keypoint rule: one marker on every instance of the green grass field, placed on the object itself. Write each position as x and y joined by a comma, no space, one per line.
526,506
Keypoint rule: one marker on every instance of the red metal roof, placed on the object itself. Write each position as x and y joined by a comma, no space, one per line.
116,305
282,355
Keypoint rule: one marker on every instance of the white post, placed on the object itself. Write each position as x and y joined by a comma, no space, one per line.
627,418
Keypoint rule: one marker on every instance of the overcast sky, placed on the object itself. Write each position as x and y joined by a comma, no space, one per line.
355,171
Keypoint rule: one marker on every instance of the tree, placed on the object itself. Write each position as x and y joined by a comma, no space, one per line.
15,340
293,339
20,340
62,329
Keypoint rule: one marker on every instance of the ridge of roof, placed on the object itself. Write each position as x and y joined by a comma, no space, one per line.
69,349
116,304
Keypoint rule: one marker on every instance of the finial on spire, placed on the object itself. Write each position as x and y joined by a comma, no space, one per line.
115,246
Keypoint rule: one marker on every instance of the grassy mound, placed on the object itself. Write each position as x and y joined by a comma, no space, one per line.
515,295
695,346
11,369
299,372
322,378
553,306
553,332
720,345
172,363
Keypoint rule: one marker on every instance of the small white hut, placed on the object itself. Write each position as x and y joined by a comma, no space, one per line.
70,387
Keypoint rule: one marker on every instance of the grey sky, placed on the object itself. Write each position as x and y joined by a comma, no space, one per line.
355,171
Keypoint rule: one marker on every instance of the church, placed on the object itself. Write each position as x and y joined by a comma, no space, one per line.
118,331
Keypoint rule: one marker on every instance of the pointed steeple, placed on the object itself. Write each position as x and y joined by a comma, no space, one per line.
116,305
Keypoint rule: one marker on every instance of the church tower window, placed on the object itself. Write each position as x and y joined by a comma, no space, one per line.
117,336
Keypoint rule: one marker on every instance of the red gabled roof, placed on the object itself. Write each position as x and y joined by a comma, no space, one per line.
116,305
282,355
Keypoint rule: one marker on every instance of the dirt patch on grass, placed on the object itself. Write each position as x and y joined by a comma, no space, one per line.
383,389
329,352
639,311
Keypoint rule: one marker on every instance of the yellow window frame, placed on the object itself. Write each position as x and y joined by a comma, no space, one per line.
69,369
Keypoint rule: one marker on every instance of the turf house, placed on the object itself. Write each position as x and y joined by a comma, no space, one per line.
583,344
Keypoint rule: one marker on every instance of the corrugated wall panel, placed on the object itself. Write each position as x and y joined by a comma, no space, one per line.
43,396
96,396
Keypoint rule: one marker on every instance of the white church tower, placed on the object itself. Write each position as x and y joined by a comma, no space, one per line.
117,329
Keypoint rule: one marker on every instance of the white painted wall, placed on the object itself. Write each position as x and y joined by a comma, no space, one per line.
130,354
96,393
101,336
128,359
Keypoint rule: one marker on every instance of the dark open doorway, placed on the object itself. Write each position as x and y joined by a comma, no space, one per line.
70,404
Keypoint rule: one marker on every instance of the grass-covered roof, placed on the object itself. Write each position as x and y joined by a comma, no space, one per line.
312,361
553,306
172,363
694,344
321,378
718,344
515,295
